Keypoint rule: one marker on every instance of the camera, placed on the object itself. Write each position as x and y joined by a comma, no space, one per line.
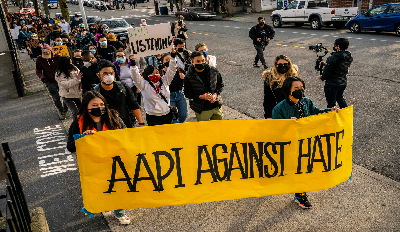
317,49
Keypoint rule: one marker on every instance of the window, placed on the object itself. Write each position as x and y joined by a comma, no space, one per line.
394,9
292,5
378,10
301,4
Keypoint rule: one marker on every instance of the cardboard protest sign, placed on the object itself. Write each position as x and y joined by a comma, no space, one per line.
150,40
15,32
61,50
42,33
196,162
32,43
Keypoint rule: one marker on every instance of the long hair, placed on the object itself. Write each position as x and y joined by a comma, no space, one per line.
274,77
64,66
110,117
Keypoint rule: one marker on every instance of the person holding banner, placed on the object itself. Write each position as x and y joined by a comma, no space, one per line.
297,106
203,86
274,77
94,115
155,90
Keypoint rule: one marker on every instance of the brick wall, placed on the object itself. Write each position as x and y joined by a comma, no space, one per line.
364,5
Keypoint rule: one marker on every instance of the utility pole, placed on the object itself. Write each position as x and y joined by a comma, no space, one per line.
83,13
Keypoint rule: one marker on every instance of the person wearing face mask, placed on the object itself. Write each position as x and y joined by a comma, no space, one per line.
179,29
93,49
297,106
261,34
89,70
335,73
65,27
77,20
183,55
103,30
117,94
94,115
203,86
77,59
66,41
155,90
93,29
22,37
123,67
274,78
50,37
35,51
211,60
69,78
106,51
84,39
112,40
46,67
177,98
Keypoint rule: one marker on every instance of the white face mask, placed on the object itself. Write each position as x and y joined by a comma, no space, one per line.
108,79
87,64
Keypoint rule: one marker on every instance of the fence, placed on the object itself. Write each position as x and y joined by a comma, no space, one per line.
17,212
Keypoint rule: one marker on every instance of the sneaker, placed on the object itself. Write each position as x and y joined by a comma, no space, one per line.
124,220
63,115
256,65
301,199
265,66
107,213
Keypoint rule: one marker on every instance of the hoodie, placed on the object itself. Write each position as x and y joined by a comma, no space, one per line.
336,68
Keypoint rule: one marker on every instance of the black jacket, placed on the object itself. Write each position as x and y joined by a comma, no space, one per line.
261,32
194,87
272,96
89,78
336,68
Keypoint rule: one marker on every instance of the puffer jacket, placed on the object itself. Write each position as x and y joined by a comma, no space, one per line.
286,109
69,87
336,68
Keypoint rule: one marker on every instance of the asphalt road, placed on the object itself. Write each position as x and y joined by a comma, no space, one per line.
373,81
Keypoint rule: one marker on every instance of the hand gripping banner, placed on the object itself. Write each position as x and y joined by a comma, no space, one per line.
198,162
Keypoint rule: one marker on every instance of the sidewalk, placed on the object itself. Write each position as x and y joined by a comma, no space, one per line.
369,203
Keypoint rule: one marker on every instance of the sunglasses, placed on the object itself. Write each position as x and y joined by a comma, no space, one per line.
283,65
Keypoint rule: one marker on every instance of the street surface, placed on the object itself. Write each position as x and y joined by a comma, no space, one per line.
373,89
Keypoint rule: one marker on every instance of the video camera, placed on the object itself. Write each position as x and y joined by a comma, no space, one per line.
317,49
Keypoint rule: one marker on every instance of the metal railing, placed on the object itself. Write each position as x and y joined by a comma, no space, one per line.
17,212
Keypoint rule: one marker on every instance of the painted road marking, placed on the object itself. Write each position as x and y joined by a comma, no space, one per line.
313,34
281,31
294,32
383,40
201,24
212,25
304,33
200,33
335,36
205,34
358,38
193,32
349,37
53,139
237,27
373,39
226,26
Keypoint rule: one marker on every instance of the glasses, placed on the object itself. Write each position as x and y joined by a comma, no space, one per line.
117,56
106,73
283,65
91,58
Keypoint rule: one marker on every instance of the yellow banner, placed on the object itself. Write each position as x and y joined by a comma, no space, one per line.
61,50
212,161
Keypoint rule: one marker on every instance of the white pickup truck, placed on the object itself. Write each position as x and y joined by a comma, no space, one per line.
317,13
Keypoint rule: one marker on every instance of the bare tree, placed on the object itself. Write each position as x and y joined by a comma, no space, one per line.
36,6
46,7
64,9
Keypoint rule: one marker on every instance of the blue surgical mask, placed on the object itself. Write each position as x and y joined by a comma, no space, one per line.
205,53
103,44
93,51
63,21
121,60
76,19
59,43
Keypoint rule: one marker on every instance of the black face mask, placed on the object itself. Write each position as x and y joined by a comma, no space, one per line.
200,66
97,112
166,64
261,23
180,49
298,94
334,49
77,60
282,69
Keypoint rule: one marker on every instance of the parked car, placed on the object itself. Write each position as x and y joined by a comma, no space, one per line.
97,4
24,11
317,13
84,2
381,18
118,26
90,3
92,19
192,13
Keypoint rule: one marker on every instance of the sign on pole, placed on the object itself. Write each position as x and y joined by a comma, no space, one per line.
150,40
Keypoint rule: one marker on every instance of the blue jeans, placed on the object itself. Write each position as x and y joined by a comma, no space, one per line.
119,212
333,94
178,100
